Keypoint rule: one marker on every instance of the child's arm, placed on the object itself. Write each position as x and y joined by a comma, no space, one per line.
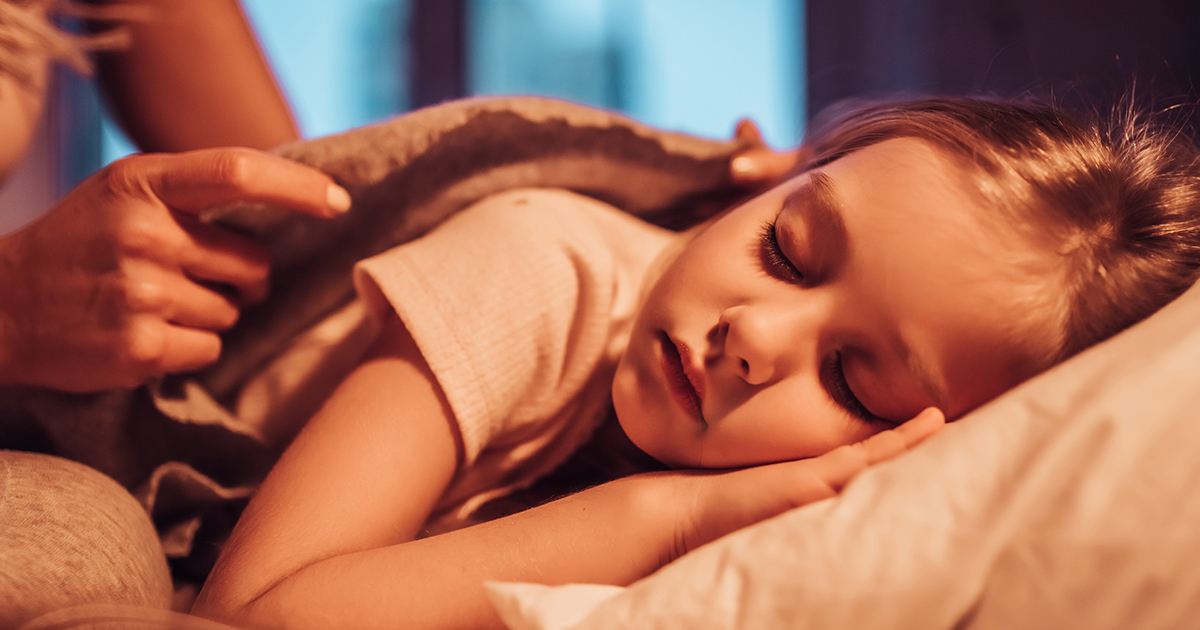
327,541
364,473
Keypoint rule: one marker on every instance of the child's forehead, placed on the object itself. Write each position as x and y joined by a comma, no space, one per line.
903,154
897,172
906,196
937,181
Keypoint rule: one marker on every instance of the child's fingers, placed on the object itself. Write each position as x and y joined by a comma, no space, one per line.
746,496
840,465
887,444
837,467
925,424
769,490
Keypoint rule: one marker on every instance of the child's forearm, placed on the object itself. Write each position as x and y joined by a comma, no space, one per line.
612,534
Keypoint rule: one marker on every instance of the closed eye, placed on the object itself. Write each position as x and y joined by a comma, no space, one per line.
833,377
773,259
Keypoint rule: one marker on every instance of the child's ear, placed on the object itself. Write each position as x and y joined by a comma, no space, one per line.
756,165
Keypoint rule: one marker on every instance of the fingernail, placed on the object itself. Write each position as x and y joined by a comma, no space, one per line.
337,198
746,167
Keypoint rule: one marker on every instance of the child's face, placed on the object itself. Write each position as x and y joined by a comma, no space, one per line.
887,294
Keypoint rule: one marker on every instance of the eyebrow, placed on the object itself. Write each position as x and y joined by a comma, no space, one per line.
817,203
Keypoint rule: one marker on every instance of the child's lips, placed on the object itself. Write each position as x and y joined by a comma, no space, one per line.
687,388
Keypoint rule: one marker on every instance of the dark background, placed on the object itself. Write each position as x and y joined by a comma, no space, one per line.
1080,52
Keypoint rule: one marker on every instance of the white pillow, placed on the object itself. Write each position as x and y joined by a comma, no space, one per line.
1070,502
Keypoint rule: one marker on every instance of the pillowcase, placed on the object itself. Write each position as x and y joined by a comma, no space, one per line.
1072,501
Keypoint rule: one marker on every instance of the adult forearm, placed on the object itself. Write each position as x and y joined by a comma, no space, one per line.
194,77
20,108
612,534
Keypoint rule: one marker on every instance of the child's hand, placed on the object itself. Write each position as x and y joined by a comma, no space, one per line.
757,165
726,502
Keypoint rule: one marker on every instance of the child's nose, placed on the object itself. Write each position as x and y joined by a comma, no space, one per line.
761,342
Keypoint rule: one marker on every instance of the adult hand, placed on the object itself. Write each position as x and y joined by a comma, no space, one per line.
121,282
758,165
725,502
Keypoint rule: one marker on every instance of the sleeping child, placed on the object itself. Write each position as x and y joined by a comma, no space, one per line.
925,257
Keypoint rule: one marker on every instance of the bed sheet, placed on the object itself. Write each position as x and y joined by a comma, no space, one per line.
1070,502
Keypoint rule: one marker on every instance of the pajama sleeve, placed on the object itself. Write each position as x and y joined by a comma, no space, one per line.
521,305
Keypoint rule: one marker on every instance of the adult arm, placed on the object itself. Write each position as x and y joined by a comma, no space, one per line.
328,539
194,77
20,108
120,282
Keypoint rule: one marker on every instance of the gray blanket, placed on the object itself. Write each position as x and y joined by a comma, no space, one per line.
177,444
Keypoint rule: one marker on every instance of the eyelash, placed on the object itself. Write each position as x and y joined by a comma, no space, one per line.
776,262
832,373
834,377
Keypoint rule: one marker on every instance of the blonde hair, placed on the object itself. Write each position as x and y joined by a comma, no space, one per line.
1116,197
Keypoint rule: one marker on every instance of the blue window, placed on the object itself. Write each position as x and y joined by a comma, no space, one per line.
691,65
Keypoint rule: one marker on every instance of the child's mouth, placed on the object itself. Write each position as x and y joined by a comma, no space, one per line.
682,388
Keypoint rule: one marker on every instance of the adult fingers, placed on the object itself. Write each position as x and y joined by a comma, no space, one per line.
155,347
761,166
223,257
200,307
757,164
154,293
747,134
187,349
196,180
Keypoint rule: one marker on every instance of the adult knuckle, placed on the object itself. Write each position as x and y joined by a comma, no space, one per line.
143,296
131,360
144,347
233,167
123,177
141,234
